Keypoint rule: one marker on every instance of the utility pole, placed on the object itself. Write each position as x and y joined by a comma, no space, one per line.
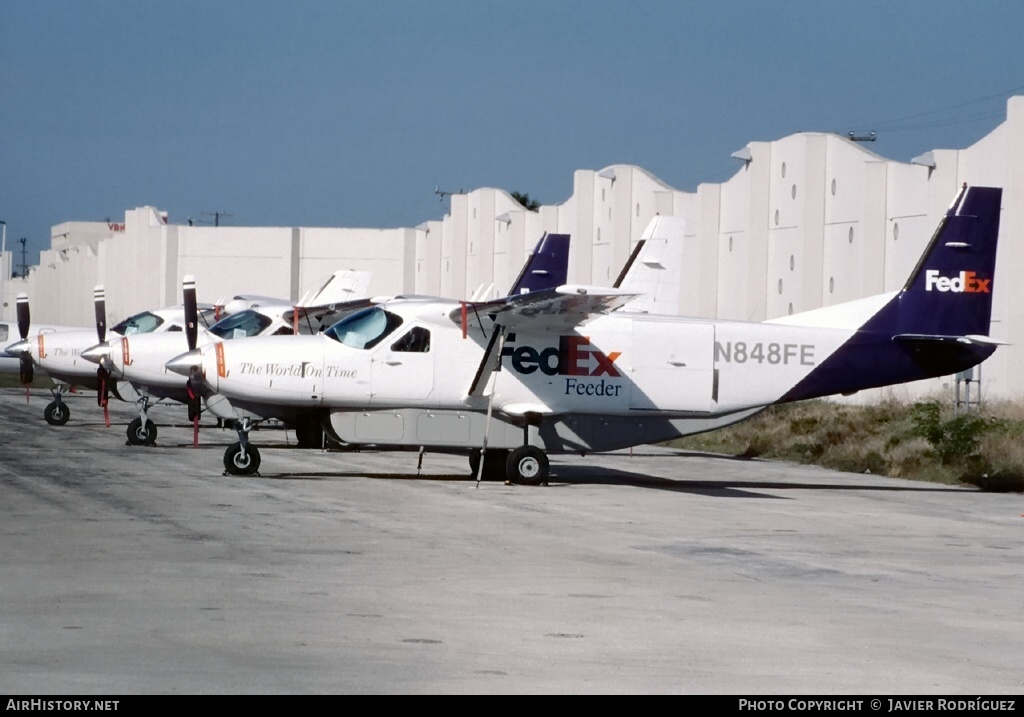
24,258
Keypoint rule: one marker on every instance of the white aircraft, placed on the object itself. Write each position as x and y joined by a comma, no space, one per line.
58,354
23,327
563,371
142,360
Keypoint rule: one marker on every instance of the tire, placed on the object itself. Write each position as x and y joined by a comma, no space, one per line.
238,464
527,465
494,464
139,435
56,413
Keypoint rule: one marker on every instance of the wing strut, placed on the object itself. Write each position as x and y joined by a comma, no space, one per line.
487,430
490,362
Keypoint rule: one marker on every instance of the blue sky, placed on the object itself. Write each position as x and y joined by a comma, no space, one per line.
333,113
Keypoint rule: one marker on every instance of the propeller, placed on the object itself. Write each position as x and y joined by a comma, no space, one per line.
102,375
26,370
188,290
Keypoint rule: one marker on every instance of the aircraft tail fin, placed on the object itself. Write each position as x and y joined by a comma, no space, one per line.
341,286
937,325
655,268
949,292
546,268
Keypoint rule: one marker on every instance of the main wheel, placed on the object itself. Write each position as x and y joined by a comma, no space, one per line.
56,413
494,463
139,435
238,463
527,465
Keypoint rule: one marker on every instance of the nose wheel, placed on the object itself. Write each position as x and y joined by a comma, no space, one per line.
242,458
56,413
240,461
141,434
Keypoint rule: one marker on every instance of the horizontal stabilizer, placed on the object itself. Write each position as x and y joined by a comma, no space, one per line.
971,339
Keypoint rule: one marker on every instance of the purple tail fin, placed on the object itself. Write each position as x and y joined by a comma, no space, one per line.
950,290
939,323
546,268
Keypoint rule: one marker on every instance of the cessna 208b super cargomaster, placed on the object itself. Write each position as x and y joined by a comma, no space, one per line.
58,354
139,359
562,371
547,266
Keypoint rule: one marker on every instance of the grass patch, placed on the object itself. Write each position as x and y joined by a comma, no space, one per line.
920,441
11,380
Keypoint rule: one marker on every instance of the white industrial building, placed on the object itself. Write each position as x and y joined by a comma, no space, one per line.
808,220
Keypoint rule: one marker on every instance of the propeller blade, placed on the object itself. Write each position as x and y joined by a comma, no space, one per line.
24,316
188,287
100,300
103,394
194,410
27,371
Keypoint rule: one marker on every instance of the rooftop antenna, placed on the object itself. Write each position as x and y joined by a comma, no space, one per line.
443,193
216,216
869,137
24,257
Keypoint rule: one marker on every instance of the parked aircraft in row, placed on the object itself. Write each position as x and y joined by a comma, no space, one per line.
141,360
567,369
60,355
22,327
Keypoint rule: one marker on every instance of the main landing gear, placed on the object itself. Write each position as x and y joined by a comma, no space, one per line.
56,412
526,465
141,430
242,458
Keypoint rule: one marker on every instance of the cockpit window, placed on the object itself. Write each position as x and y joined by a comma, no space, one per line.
240,325
364,329
416,341
143,323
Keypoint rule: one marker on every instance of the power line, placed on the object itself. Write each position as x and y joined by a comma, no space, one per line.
892,124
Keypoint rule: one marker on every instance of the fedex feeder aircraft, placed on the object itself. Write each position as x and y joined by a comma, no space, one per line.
58,354
142,360
565,370
138,359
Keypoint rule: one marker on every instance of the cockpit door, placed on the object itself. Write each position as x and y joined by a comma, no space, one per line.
403,366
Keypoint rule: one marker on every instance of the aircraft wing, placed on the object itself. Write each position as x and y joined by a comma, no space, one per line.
325,315
558,309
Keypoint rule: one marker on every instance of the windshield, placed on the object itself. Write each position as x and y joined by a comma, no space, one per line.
364,329
142,323
240,325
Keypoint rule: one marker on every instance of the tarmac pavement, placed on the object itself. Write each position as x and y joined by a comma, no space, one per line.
131,570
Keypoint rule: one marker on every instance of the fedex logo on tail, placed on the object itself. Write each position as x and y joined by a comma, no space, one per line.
966,283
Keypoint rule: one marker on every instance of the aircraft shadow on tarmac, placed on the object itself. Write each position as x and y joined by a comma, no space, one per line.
581,475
